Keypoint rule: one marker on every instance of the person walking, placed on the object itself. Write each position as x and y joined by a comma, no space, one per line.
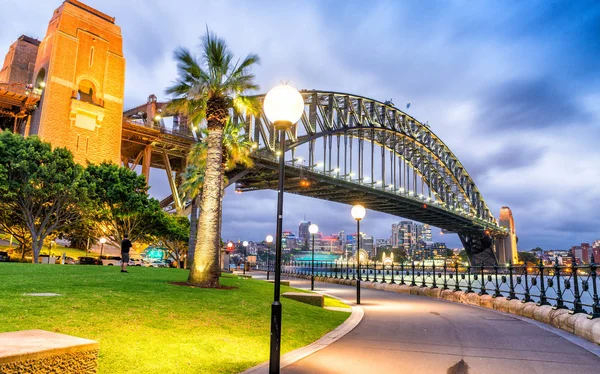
125,246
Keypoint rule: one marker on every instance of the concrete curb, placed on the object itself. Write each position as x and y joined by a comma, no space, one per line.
289,358
577,324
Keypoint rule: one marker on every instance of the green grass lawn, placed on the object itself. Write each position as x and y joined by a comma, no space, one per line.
146,325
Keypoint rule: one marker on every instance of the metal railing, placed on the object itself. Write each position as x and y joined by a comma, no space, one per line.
572,287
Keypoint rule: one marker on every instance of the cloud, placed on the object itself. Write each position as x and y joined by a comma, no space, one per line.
512,89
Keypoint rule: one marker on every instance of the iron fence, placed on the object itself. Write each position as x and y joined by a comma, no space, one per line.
573,287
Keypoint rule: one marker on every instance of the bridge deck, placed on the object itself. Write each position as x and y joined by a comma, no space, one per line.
264,175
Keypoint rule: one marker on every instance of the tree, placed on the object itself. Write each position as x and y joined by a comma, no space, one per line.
208,89
528,258
121,203
237,149
173,234
42,189
463,256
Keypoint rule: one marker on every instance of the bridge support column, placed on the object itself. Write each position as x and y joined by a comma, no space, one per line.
146,164
173,184
479,248
506,246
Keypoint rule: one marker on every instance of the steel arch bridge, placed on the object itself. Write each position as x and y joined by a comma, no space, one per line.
351,149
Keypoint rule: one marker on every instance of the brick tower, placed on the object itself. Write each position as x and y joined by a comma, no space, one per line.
80,72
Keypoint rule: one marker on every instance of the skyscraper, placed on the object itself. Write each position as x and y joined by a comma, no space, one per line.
303,234
406,234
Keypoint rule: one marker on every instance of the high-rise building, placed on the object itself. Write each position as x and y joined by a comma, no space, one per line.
366,243
406,235
303,234
581,253
288,240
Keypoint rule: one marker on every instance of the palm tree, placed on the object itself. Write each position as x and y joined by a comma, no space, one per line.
207,89
236,151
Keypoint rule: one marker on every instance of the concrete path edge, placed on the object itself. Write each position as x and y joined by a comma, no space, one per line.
289,358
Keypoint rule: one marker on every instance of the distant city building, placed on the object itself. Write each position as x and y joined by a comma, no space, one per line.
342,241
582,253
406,235
303,234
289,240
366,243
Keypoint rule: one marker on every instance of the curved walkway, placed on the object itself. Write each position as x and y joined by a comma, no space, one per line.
402,333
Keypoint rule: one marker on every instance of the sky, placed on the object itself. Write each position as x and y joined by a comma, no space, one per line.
513,89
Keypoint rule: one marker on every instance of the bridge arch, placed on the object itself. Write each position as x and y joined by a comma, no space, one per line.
333,114
403,140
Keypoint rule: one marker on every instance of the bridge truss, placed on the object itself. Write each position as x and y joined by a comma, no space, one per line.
351,149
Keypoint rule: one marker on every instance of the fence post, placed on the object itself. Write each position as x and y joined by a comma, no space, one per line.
423,274
559,300
445,287
596,301
543,299
434,285
511,283
413,275
456,279
577,307
402,273
469,288
375,270
497,289
482,291
527,294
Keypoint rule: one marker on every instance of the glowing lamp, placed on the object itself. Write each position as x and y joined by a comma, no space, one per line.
269,239
313,229
358,212
283,105
245,243
102,240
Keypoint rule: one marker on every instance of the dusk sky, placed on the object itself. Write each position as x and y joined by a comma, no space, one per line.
513,89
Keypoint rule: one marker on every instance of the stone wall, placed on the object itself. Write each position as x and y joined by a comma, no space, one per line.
82,362
578,324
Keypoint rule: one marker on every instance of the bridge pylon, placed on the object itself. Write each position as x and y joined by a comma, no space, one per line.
506,246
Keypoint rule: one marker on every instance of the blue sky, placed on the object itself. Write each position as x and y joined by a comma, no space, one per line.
513,88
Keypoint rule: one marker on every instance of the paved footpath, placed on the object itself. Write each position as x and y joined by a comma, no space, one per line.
403,333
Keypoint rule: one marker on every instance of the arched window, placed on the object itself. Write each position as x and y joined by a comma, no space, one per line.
85,91
40,82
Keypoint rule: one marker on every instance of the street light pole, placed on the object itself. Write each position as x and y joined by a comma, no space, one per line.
269,240
313,229
102,241
358,212
283,106
245,244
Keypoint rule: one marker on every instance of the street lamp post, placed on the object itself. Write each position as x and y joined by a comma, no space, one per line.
245,244
102,241
313,229
229,249
269,240
283,106
358,212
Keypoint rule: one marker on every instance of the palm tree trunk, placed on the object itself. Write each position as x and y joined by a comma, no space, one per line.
205,269
193,231
218,244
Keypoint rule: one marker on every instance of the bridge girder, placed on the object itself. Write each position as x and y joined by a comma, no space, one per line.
411,157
